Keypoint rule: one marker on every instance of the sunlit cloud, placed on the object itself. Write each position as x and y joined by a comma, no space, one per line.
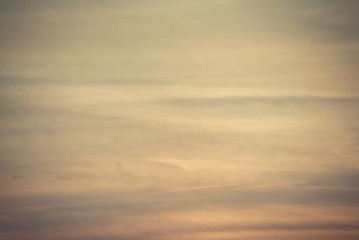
179,119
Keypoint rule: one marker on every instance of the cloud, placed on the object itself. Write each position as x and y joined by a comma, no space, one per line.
111,216
178,119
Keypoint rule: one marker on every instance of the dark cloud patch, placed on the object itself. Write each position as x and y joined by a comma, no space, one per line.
17,177
146,201
339,179
267,106
210,101
104,82
338,19
32,215
297,226
247,197
35,218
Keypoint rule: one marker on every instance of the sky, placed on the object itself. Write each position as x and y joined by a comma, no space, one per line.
176,120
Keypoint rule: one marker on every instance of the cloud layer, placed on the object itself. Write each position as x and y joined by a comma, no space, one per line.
179,119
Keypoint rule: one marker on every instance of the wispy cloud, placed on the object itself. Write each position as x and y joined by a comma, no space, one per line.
214,119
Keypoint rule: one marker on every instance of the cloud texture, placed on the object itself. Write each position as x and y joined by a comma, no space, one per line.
175,120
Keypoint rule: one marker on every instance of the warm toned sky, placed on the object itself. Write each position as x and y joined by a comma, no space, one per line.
179,120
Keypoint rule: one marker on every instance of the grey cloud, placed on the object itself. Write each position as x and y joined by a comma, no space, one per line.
336,18
152,201
32,215
333,179
292,195
120,99
256,106
16,177
121,82
203,101
161,44
298,226
37,213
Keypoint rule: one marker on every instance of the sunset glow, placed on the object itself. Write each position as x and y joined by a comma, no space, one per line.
179,120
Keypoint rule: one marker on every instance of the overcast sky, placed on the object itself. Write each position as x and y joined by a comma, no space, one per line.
176,120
